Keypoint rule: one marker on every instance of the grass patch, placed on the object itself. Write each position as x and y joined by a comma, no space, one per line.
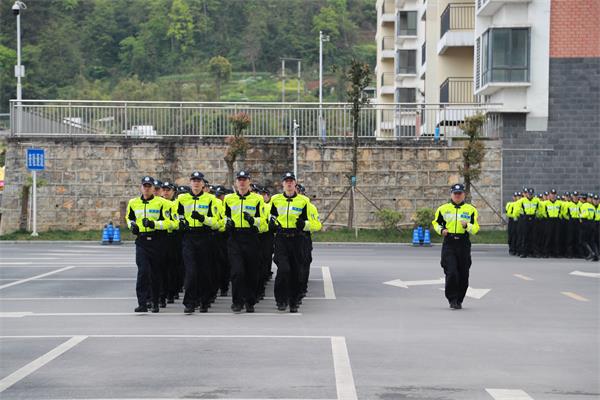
337,235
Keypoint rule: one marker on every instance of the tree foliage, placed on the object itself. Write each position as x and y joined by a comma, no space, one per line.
105,42
473,152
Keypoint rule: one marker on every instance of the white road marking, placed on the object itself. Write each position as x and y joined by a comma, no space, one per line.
170,336
194,398
86,279
586,274
104,264
525,278
508,394
35,277
14,314
475,293
405,284
574,296
328,283
163,314
28,258
39,362
344,381
116,298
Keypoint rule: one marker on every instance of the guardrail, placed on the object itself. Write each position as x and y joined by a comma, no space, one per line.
457,90
212,119
4,121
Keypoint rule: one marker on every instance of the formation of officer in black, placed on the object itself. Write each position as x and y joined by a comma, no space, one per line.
200,240
553,225
455,221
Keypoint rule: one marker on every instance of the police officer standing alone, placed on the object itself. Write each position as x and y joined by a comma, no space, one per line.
455,221
146,217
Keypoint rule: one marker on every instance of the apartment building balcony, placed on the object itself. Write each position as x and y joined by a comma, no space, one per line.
388,12
457,91
388,83
388,47
457,26
487,8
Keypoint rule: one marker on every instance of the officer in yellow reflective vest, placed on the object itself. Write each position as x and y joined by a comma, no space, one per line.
455,220
525,211
198,216
243,211
587,212
314,225
265,240
597,220
570,213
552,209
290,210
172,247
512,224
222,263
146,217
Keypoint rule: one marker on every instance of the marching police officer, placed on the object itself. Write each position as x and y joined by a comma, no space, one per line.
146,217
290,210
525,211
314,225
172,247
198,216
243,211
512,224
552,208
265,240
454,221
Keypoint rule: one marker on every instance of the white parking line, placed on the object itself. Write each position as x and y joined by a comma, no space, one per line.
508,394
159,314
344,381
574,296
39,362
328,283
525,278
35,277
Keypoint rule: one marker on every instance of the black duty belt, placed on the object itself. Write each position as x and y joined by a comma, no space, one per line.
457,236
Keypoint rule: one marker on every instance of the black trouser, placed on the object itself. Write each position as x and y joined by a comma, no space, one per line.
551,237
456,262
572,240
512,236
289,259
539,227
243,253
589,239
306,261
148,260
526,238
222,262
197,259
172,264
266,259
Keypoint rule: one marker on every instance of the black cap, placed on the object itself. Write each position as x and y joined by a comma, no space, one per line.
157,183
168,185
148,180
265,190
530,191
595,197
300,188
590,195
254,187
567,194
575,193
515,194
540,195
220,191
288,175
457,188
197,175
242,175
553,191
206,182
183,189
546,193
519,194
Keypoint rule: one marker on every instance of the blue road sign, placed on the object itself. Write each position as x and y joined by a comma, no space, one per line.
35,159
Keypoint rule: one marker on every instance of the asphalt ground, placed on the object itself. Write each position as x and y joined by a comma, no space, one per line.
530,330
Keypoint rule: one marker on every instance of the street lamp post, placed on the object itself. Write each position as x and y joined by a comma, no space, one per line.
322,38
19,69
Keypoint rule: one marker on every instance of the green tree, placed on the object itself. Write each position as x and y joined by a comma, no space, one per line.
181,26
220,69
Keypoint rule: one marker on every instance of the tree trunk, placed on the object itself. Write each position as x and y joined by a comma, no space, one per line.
218,89
229,178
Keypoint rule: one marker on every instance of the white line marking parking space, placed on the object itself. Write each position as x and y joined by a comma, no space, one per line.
39,362
524,277
575,296
508,394
328,283
344,381
35,277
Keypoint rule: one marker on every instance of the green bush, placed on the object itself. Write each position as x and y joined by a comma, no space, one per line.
388,218
423,217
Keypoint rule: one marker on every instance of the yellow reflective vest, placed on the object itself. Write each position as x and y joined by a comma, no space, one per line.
449,216
154,209
204,203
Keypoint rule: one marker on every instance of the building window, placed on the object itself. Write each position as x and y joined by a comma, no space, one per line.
505,55
406,95
407,23
406,62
